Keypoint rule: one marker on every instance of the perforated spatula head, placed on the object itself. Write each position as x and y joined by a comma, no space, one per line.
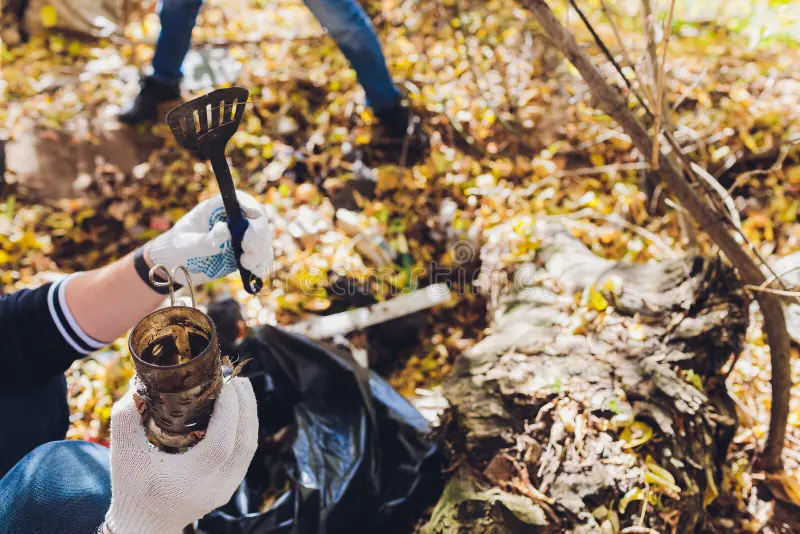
204,126
218,112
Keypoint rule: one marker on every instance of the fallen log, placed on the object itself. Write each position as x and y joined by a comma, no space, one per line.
601,417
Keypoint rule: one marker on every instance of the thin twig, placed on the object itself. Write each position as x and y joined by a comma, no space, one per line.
602,138
689,89
608,54
620,40
677,207
780,292
771,279
713,138
660,87
726,197
531,189
688,233
687,229
621,43
784,152
614,167
649,28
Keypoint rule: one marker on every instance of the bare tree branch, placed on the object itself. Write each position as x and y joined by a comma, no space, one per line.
660,87
625,54
723,193
649,25
688,234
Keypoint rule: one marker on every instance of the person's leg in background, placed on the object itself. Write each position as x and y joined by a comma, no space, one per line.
30,418
353,32
62,487
178,18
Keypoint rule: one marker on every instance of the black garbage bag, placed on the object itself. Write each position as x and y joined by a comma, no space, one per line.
354,452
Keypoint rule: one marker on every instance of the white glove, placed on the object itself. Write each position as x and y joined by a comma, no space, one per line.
201,241
155,492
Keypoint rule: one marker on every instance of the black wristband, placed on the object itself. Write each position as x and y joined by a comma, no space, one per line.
143,270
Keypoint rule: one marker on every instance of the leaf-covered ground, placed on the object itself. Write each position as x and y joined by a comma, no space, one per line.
514,139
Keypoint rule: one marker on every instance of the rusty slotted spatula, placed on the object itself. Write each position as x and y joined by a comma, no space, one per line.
204,126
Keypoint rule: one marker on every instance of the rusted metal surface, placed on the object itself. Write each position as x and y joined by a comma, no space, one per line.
179,375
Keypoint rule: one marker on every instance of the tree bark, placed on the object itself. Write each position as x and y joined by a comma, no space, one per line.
612,102
540,407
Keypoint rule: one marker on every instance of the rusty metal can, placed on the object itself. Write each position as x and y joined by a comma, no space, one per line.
179,373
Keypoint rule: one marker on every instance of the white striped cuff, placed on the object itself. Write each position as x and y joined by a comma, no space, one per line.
65,322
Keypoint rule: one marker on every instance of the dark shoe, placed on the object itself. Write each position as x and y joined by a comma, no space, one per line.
402,129
145,106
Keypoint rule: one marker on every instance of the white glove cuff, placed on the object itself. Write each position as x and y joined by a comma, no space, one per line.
159,249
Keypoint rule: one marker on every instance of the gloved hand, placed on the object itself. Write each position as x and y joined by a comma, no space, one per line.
201,241
154,492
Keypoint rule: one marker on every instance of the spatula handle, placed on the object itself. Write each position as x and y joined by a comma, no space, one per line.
237,222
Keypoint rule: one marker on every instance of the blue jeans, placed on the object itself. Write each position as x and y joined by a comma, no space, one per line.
63,487
58,487
344,19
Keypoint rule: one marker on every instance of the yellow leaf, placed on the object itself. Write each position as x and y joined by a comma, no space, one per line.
793,175
104,414
711,492
84,214
636,494
636,434
596,300
612,285
769,233
694,379
29,240
290,302
769,119
59,220
789,215
4,257
748,140
720,153
390,177
658,476
441,164
784,486
49,16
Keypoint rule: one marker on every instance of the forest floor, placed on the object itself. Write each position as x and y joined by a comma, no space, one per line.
514,139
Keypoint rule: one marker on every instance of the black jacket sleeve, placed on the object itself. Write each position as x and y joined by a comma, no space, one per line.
39,337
